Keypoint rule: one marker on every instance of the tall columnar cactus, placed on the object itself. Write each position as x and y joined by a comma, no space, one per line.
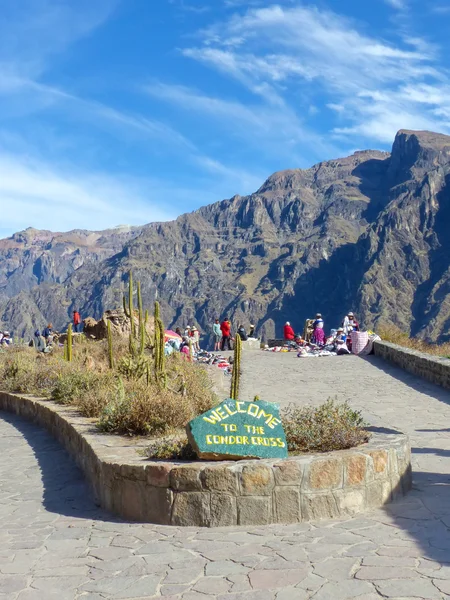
110,347
235,379
129,308
69,343
158,352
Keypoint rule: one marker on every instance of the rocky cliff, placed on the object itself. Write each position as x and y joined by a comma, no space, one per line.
366,232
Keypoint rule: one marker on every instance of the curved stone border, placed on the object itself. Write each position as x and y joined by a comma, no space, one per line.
433,368
211,494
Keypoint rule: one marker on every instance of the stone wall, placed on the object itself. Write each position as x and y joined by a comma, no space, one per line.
434,368
212,494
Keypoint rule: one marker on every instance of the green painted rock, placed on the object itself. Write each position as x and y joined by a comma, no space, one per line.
235,429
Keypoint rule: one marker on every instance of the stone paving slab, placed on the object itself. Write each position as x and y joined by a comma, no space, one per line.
56,544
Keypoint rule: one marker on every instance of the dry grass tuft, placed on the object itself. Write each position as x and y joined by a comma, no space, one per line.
393,334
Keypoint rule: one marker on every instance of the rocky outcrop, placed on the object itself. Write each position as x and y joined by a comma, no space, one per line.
120,325
366,232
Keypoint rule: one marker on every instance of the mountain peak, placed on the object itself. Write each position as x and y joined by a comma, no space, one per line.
423,138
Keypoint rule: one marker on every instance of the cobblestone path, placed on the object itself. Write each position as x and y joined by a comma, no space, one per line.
56,544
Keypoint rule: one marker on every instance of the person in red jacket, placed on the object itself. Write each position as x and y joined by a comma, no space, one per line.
76,321
289,334
225,328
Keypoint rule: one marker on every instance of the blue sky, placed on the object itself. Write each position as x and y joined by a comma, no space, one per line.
130,111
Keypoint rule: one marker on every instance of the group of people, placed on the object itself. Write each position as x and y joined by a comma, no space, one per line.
43,340
314,333
222,335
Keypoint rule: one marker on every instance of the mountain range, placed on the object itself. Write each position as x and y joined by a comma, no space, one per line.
368,232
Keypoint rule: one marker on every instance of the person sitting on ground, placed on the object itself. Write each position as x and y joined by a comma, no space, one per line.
184,346
318,336
251,333
242,333
76,321
340,342
217,333
6,339
289,333
225,328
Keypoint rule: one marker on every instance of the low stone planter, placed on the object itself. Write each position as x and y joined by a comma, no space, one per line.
212,494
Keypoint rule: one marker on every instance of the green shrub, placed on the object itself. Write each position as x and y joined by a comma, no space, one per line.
331,426
174,449
71,386
138,407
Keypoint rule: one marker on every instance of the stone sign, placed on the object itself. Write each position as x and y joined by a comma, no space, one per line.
235,429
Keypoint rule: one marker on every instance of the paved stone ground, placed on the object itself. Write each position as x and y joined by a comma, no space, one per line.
56,544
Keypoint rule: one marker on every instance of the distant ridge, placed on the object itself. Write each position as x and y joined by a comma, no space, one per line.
367,232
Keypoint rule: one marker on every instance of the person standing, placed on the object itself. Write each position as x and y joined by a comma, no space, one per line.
76,321
225,328
196,338
47,334
217,333
289,333
319,334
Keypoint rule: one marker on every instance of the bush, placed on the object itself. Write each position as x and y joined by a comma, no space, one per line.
136,407
72,385
174,449
331,426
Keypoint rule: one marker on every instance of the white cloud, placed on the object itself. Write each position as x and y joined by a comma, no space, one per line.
34,31
397,4
441,9
286,51
33,193
273,128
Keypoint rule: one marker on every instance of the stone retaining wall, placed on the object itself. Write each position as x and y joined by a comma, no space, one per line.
434,368
212,494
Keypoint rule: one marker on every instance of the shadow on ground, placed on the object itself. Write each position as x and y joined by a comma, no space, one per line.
420,385
66,491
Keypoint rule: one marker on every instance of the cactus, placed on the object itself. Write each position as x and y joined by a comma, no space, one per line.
129,309
235,379
69,343
158,351
110,347
65,350
141,329
191,351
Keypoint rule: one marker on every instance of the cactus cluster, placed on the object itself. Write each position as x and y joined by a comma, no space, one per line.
136,365
235,378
